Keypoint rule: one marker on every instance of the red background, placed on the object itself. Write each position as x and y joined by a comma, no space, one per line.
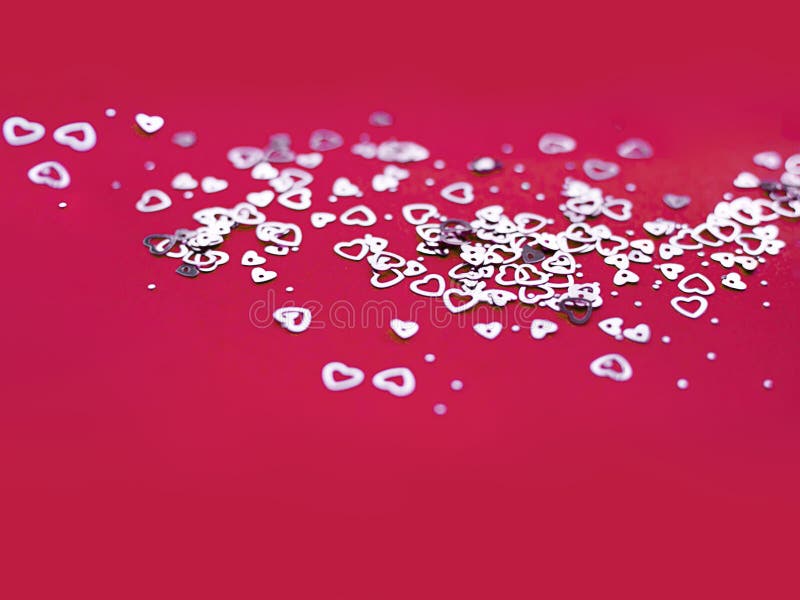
156,444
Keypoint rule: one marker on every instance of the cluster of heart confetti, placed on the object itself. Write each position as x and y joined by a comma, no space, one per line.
494,259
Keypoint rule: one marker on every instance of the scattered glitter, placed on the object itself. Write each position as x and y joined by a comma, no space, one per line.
525,186
430,358
440,409
457,385
111,113
519,168
768,384
763,282
430,181
439,164
714,321
630,187
540,196
494,189
638,303
711,356
151,286
289,289
62,205
683,384
705,263
332,199
701,254
570,166
727,196
630,232
515,328
766,304
188,194
116,185
149,165
506,148
388,217
614,293
666,339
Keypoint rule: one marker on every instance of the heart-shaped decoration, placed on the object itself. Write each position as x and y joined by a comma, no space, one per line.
383,182
747,181
246,157
50,173
401,152
422,286
323,140
452,295
414,268
659,227
600,170
251,258
419,213
726,259
66,136
748,263
379,280
541,328
768,160
646,246
159,243
679,304
294,319
531,255
404,329
296,199
149,123
212,185
380,119
613,366
264,171
260,199
342,249
624,276
366,150
734,282
572,307
352,376
344,188
184,181
383,380
309,161
635,148
460,192
488,330
33,132
184,139
282,234
190,271
620,261
153,201
398,173
556,143
612,326
638,256
640,333
688,285
676,201
669,251
261,275
320,219
358,215
276,250
618,209
671,270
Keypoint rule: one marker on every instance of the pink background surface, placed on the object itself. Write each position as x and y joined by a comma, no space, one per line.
157,444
